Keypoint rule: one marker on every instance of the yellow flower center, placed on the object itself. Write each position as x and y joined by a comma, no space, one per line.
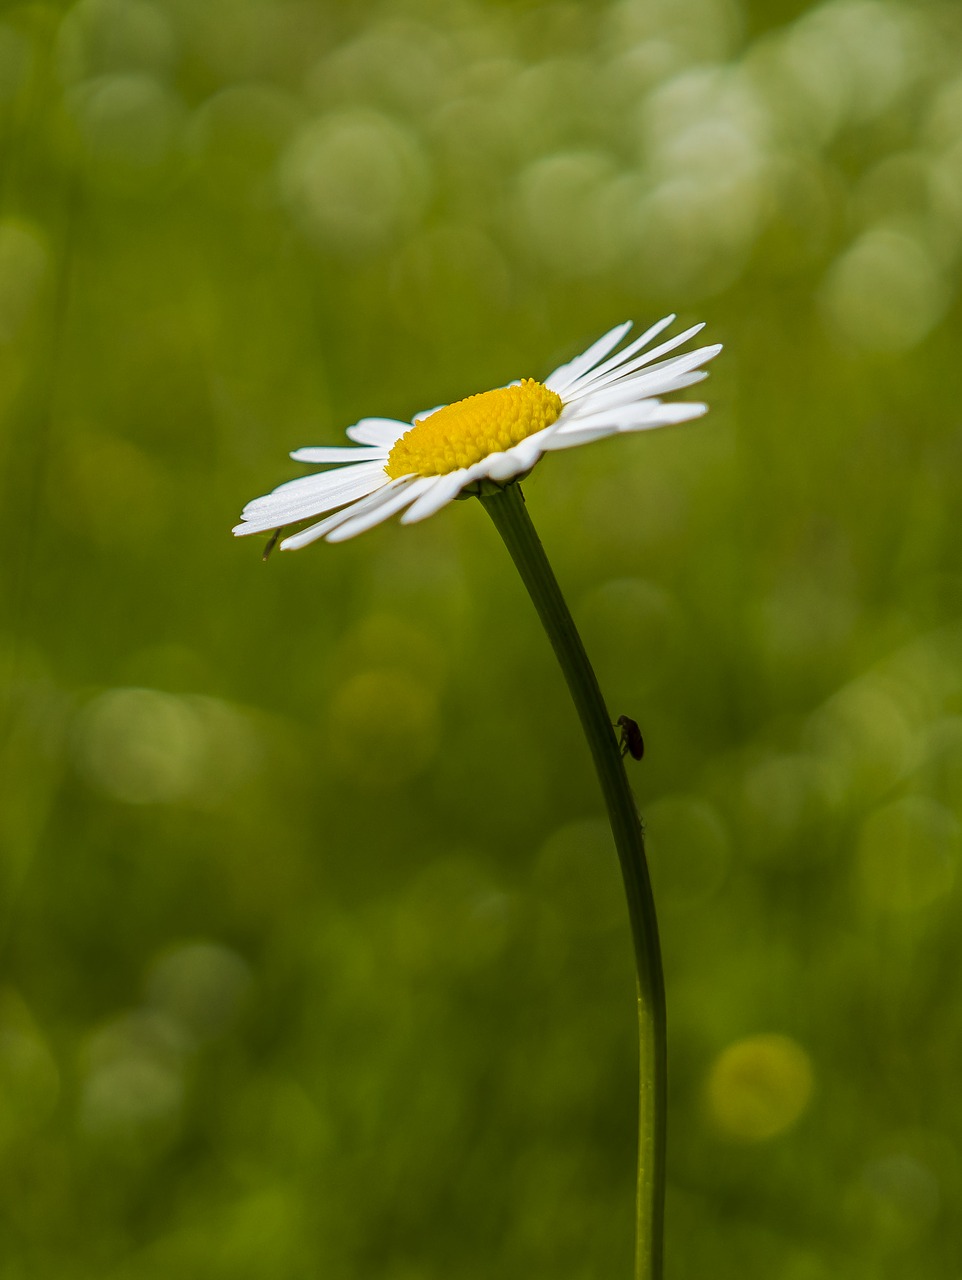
463,433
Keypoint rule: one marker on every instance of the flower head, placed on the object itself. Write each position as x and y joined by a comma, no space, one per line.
419,467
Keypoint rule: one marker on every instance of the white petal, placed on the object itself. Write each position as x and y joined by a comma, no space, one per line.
638,387
659,380
593,380
528,451
382,432
502,466
619,416
635,345
339,453
305,537
661,415
676,341
670,414
377,513
580,435
318,482
313,492
629,417
275,514
683,380
568,373
323,527
589,387
508,463
446,489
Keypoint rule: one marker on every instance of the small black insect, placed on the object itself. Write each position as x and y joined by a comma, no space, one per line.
632,743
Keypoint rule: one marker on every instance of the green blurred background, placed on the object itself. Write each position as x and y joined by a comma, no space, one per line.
314,961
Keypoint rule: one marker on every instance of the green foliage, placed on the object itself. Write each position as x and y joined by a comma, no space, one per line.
314,960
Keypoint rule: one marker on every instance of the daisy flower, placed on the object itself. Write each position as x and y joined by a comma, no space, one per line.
482,445
497,436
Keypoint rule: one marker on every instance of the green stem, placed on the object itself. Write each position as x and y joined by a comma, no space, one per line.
506,508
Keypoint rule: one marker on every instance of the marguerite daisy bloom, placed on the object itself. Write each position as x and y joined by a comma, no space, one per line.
419,467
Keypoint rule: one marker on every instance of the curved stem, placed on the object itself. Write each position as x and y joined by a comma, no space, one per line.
506,508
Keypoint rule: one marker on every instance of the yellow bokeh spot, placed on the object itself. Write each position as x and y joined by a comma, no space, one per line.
758,1087
467,431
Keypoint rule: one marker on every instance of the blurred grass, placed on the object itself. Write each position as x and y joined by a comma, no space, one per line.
313,954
